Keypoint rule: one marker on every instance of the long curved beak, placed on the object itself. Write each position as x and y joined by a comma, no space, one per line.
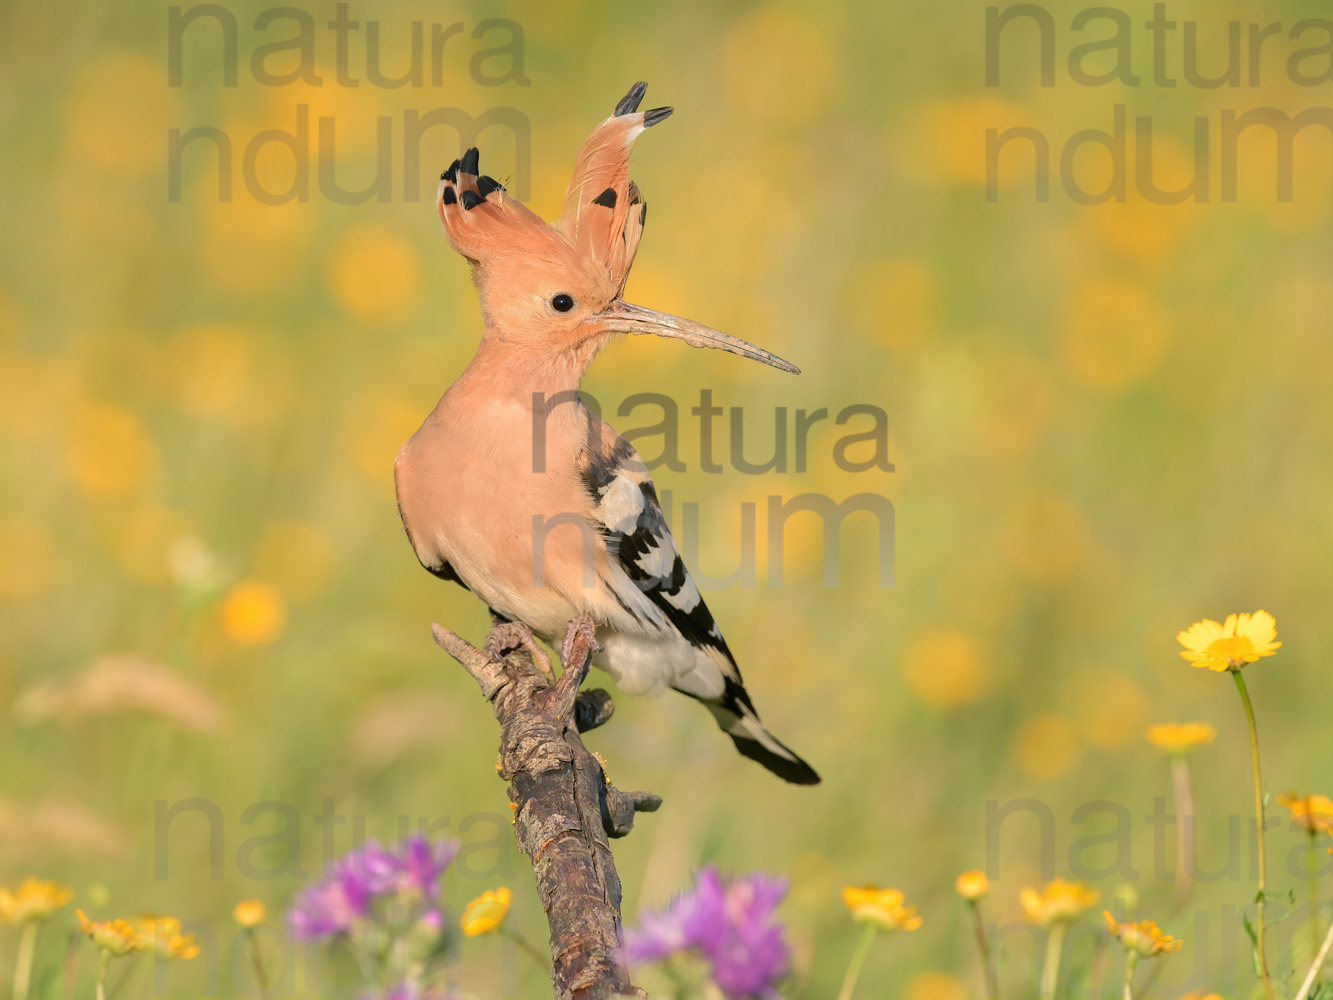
621,317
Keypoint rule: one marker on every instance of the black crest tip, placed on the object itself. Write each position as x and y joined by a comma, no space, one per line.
448,197
485,185
470,161
470,200
450,173
656,116
607,198
630,102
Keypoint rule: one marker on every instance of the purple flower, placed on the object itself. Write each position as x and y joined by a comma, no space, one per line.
421,863
432,920
328,907
731,924
370,867
354,882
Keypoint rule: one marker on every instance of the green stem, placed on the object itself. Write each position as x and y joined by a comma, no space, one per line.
1259,821
1180,786
1314,890
69,969
992,988
1131,960
23,963
858,960
101,975
1097,974
1316,965
543,962
1050,973
257,959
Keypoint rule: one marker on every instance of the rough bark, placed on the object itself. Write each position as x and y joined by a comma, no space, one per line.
565,810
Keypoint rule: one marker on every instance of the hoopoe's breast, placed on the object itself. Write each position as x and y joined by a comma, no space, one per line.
510,520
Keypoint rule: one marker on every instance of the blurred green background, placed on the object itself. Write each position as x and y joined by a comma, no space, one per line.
1106,422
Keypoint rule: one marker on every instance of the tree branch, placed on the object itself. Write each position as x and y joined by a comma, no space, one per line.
565,809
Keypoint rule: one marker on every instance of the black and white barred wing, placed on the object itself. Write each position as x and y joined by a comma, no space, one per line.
660,632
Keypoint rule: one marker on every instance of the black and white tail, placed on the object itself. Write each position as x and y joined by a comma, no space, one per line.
737,718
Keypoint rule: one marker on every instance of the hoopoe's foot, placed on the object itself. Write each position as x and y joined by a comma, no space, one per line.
505,637
582,627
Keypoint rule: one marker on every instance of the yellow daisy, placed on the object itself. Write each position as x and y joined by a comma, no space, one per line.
485,913
1181,737
881,907
249,913
1144,938
1312,813
1241,639
115,937
1058,903
163,935
972,885
34,899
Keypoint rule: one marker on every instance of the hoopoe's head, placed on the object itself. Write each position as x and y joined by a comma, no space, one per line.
557,288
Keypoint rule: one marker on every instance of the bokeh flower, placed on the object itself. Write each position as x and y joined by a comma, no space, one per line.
1144,938
485,913
1241,639
1181,737
972,885
114,937
163,936
421,862
35,899
349,890
253,614
330,907
731,924
249,913
1058,903
884,908
1312,813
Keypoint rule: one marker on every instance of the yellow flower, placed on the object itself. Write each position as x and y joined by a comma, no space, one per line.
1312,813
249,913
253,614
163,935
882,907
485,913
1060,902
35,899
182,946
972,885
1144,938
1241,639
115,937
1181,737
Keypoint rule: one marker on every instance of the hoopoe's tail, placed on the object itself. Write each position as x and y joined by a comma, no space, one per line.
738,719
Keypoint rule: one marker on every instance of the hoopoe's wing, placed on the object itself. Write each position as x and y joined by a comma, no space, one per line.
663,632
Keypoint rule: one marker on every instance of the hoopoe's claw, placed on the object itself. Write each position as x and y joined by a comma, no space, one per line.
505,637
582,627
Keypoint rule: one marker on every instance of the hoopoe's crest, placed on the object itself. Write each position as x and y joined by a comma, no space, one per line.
520,263
563,282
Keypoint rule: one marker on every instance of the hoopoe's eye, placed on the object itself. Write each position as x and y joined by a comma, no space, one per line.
562,302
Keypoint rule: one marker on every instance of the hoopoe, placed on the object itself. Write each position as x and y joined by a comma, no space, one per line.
515,489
